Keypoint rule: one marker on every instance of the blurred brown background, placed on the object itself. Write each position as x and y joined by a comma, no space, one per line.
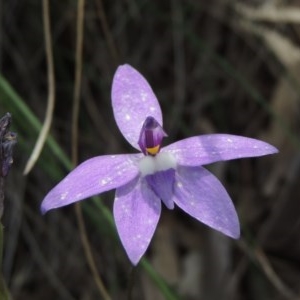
215,66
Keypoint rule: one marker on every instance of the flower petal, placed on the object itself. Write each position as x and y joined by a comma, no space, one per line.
136,212
133,101
92,177
201,195
206,149
162,184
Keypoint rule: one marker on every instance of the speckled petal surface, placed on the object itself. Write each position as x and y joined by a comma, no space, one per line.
133,101
92,177
206,149
136,212
200,194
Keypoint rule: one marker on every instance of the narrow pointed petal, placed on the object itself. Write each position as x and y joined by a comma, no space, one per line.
201,195
162,184
94,176
133,101
206,149
136,212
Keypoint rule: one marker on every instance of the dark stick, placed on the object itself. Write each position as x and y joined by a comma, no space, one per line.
8,140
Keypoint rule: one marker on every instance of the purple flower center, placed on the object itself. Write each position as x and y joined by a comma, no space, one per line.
151,137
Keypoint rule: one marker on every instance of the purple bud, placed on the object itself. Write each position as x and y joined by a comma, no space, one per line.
151,137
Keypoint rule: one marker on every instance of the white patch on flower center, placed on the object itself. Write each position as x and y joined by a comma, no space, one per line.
160,162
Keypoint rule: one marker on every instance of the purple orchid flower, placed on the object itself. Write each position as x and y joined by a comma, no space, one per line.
172,174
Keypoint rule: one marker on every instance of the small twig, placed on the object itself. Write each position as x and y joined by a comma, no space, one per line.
51,91
41,260
75,116
88,253
273,277
260,258
106,31
179,65
77,86
288,14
